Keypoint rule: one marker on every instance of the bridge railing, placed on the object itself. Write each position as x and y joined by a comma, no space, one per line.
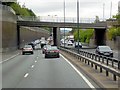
56,19
108,64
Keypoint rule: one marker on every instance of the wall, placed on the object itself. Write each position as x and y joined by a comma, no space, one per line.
9,35
8,32
28,34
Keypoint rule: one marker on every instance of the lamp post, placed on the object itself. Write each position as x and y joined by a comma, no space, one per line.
78,22
64,22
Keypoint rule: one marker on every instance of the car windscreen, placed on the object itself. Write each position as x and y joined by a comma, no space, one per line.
52,48
104,48
27,46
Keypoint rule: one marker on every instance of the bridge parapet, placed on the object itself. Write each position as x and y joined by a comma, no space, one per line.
56,19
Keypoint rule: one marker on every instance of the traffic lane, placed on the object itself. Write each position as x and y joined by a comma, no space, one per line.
52,73
14,69
115,52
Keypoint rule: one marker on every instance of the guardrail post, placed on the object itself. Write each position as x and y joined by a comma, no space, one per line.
112,63
96,67
88,63
95,57
107,73
91,64
85,60
99,59
92,56
118,64
102,59
100,70
107,62
114,77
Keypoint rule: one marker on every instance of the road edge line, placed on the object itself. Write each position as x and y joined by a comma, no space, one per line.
9,58
84,78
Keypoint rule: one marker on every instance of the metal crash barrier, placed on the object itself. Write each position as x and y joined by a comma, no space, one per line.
110,65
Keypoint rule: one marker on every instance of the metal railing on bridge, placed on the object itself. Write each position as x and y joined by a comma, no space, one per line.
57,19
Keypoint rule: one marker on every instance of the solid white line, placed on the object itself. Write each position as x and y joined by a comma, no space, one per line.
26,75
84,78
32,66
9,58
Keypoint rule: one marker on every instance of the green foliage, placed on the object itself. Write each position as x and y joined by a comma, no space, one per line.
113,32
21,11
84,35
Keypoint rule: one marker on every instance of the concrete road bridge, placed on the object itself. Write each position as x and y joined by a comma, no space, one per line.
57,23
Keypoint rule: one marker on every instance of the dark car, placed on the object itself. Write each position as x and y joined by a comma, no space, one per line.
45,48
27,49
52,51
104,50
76,45
43,43
32,44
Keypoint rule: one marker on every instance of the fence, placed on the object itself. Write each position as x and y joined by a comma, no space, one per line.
97,61
57,19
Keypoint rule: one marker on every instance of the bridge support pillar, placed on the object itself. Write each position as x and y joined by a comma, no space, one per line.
100,36
56,36
18,36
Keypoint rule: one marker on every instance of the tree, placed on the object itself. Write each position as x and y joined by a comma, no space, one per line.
97,19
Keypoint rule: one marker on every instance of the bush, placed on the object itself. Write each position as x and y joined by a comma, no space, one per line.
21,11
84,35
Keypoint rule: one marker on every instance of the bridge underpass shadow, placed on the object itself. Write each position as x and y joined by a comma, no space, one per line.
100,37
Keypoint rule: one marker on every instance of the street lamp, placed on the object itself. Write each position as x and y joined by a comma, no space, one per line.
64,22
78,22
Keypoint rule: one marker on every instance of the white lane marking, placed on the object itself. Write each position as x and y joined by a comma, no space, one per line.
26,75
9,58
84,78
32,66
35,61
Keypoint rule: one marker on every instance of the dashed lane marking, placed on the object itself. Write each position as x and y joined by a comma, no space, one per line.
26,75
32,66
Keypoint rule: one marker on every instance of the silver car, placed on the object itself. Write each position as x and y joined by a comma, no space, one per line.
27,49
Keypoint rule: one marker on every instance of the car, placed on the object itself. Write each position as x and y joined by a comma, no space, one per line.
52,51
43,43
37,41
45,48
27,49
32,44
104,50
69,43
76,45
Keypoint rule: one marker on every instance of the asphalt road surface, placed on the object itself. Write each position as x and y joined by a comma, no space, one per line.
34,71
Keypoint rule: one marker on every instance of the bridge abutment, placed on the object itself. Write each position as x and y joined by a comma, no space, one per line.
56,36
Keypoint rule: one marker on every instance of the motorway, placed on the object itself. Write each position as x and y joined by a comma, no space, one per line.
34,71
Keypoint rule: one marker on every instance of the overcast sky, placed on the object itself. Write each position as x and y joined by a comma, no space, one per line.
88,8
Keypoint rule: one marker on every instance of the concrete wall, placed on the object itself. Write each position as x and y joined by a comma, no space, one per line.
9,35
114,44
8,32
28,34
